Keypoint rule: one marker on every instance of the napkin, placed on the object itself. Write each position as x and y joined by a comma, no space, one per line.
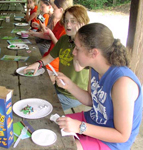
63,133
54,118
17,128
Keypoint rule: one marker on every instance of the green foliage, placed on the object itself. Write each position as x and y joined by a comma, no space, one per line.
90,4
96,4
118,2
100,3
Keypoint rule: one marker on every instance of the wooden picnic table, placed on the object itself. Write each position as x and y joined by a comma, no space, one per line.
31,87
18,1
11,6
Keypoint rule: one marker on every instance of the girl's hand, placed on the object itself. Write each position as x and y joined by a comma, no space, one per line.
66,80
45,29
42,25
32,33
47,32
69,125
34,67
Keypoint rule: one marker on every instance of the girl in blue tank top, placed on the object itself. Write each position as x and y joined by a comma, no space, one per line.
114,93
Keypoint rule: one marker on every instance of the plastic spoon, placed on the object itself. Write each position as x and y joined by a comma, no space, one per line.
56,73
24,131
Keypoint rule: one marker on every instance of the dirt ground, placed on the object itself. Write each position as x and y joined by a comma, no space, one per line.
123,9
117,19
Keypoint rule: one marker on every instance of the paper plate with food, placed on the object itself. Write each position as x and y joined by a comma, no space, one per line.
18,33
21,24
17,46
32,108
29,73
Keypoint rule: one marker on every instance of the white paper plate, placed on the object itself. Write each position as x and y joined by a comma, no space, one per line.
44,137
18,19
18,33
39,72
36,104
21,24
17,46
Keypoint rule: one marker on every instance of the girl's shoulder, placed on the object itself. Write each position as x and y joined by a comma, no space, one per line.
34,9
63,39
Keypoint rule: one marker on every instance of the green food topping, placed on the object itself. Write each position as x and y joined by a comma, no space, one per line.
27,110
11,46
29,73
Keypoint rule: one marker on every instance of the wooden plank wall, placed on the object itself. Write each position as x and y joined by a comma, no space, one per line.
135,37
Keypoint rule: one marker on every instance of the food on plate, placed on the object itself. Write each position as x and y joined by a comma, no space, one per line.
14,46
28,110
29,73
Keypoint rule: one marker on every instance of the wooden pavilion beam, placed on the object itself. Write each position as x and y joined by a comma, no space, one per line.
132,22
135,37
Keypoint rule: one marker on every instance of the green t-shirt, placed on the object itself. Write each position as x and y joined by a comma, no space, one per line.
63,49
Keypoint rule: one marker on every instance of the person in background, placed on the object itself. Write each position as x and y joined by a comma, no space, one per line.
73,18
58,29
45,11
52,21
114,93
31,14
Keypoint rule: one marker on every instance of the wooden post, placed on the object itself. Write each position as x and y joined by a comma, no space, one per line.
135,37
132,22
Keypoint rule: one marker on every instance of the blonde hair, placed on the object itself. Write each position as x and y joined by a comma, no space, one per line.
79,12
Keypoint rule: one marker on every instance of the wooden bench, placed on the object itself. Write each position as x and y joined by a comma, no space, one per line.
77,109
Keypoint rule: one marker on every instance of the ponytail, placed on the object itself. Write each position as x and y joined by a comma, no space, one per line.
99,36
118,55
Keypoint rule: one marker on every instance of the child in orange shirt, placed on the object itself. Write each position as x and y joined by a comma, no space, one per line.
73,18
45,11
57,32
31,13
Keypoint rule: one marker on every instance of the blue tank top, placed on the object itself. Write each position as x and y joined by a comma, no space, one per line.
101,113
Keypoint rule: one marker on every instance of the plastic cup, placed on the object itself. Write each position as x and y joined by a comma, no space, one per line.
7,18
24,34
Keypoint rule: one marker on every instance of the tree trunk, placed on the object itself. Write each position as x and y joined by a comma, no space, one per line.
114,2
